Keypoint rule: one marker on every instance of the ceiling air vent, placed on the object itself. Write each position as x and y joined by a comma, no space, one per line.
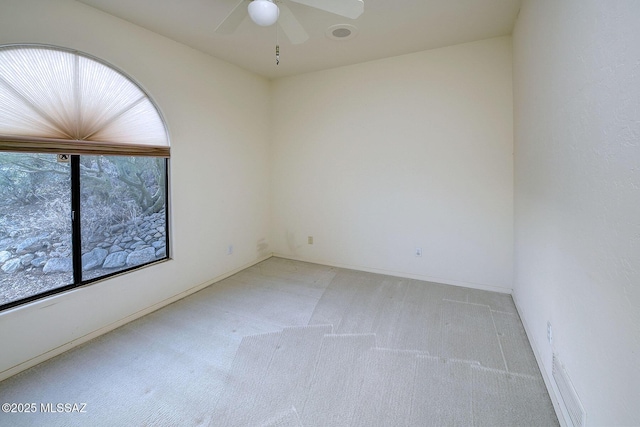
572,404
341,32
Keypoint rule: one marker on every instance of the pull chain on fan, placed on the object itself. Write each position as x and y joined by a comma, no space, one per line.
277,49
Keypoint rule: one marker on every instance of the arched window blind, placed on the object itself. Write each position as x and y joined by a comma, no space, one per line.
54,100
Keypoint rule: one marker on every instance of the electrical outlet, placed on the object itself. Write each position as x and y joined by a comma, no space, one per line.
310,240
418,252
549,333
229,249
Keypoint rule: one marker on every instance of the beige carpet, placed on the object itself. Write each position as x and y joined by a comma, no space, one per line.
346,380
286,343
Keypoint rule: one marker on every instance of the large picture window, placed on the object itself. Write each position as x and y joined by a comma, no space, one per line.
83,173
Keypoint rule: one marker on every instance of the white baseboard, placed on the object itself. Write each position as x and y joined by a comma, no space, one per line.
438,280
548,382
103,330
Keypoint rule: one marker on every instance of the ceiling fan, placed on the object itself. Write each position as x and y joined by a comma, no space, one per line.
268,12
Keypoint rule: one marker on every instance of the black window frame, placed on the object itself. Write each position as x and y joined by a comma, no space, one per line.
76,239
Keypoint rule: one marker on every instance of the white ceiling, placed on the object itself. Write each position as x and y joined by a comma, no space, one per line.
386,28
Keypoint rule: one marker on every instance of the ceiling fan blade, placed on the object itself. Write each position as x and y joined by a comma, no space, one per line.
291,26
233,19
347,8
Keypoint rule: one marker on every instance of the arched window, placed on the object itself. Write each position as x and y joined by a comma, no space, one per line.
83,173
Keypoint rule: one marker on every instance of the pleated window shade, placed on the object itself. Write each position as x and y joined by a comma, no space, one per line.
54,100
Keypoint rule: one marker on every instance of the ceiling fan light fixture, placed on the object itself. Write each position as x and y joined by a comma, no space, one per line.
263,12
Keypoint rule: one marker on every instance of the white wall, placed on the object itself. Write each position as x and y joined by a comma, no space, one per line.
219,172
577,195
376,159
